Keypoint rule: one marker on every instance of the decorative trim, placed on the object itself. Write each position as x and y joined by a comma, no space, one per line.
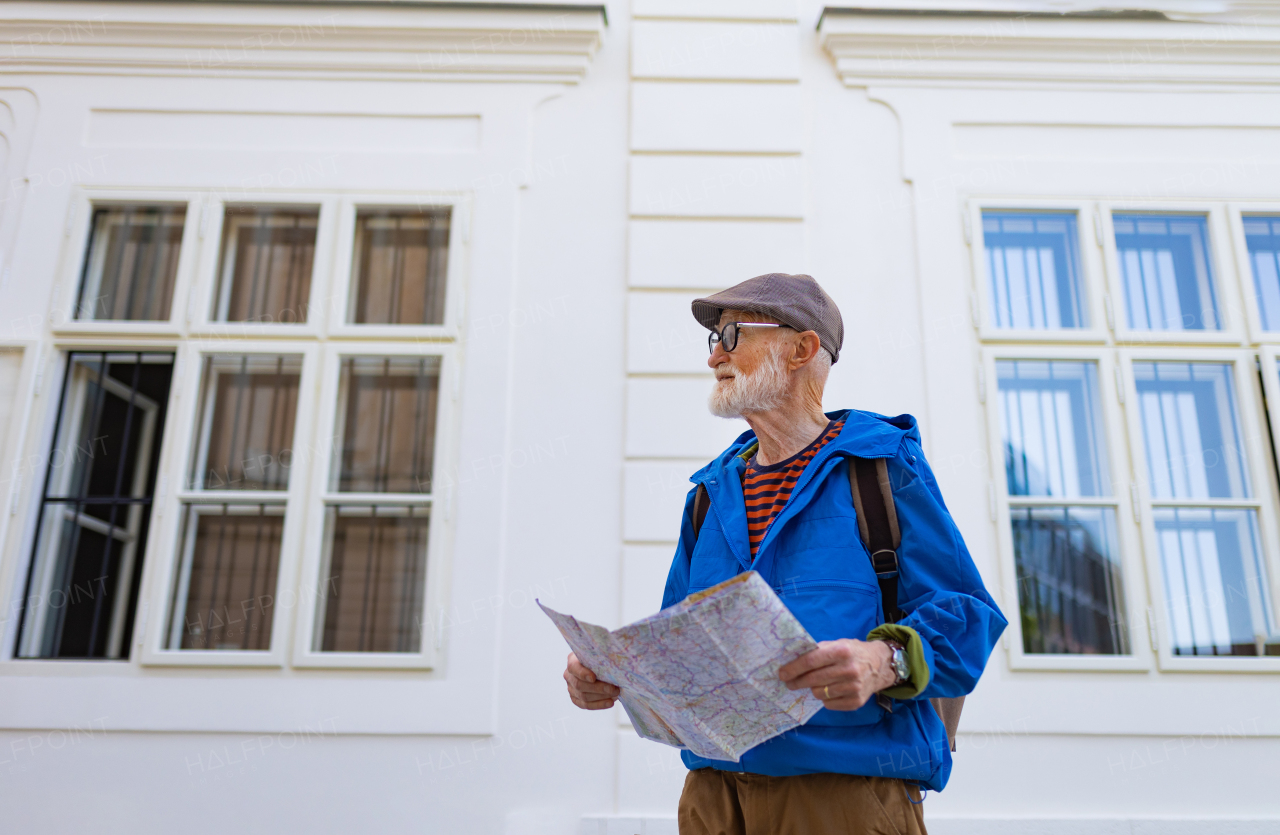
346,40
1110,51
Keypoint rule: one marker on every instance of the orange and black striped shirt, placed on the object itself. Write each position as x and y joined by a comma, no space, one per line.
767,489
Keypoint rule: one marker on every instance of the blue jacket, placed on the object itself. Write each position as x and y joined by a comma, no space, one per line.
816,562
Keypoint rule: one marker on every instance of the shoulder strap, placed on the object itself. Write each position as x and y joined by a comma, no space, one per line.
878,526
701,501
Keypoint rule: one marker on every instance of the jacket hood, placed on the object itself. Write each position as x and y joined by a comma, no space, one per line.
864,435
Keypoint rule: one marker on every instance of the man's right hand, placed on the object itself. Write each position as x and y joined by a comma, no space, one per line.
585,690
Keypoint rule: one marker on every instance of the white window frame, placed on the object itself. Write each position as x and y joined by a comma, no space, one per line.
16,473
1130,557
203,300
439,537
77,234
1248,292
1262,487
1221,263
344,273
162,567
1091,272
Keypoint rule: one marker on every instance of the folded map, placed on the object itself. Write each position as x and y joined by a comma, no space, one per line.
703,674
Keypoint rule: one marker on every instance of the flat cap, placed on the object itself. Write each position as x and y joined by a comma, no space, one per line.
794,300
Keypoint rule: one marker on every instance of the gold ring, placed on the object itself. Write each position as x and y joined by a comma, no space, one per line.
826,692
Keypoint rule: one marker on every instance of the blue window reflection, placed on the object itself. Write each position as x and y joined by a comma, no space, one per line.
1262,235
1032,270
1165,270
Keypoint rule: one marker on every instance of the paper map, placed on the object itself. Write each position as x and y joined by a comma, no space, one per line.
703,674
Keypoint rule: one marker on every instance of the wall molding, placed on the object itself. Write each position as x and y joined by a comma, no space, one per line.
948,49
384,42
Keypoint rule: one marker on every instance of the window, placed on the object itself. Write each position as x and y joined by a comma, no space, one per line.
377,513
131,264
1165,272
233,524
400,265
1032,270
288,514
96,507
1067,556
1214,580
1125,460
1262,236
265,271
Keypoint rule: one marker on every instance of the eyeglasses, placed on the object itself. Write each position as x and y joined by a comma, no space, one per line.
727,338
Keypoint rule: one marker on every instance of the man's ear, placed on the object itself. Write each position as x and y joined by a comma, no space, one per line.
806,348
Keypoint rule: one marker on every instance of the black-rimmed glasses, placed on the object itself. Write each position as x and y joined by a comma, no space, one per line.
727,338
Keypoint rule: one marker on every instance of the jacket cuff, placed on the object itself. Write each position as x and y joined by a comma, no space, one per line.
910,640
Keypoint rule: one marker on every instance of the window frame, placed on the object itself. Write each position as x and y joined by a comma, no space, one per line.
1236,212
160,574
1130,561
344,274
1262,486
1091,269
205,288
1221,262
440,530
77,237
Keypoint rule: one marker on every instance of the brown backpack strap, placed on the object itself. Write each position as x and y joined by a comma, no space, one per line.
701,501
878,526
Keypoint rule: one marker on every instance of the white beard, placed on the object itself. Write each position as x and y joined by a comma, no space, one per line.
761,390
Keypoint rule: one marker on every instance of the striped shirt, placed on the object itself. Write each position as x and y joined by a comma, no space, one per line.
767,489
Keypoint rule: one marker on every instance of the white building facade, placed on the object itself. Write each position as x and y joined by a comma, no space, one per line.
334,334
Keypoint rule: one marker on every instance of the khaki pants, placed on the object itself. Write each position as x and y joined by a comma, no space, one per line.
729,803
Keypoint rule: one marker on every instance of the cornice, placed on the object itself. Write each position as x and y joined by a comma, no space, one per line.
1046,50
396,41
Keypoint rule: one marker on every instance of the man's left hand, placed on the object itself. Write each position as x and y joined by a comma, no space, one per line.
843,673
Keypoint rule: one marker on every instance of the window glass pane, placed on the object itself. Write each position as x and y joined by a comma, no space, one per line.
1051,423
388,424
225,590
1190,431
247,423
96,508
265,274
1215,585
1164,266
400,264
1262,234
373,588
1033,270
131,264
1069,587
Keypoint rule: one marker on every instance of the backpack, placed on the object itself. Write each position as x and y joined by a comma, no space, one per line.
878,528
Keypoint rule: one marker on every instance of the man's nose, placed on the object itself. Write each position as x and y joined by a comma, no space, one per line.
718,355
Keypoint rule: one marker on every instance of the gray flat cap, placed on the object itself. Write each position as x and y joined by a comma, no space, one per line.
794,300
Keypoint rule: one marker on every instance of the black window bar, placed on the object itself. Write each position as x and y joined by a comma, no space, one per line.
95,508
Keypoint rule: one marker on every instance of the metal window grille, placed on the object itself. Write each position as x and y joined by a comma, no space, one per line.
247,420
131,263
377,520
400,264
375,583
267,259
95,507
225,591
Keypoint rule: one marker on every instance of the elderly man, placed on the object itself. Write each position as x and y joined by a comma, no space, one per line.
780,501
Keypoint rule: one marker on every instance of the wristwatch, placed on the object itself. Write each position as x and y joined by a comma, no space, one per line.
898,663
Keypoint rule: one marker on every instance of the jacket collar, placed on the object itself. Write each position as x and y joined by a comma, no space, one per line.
864,435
